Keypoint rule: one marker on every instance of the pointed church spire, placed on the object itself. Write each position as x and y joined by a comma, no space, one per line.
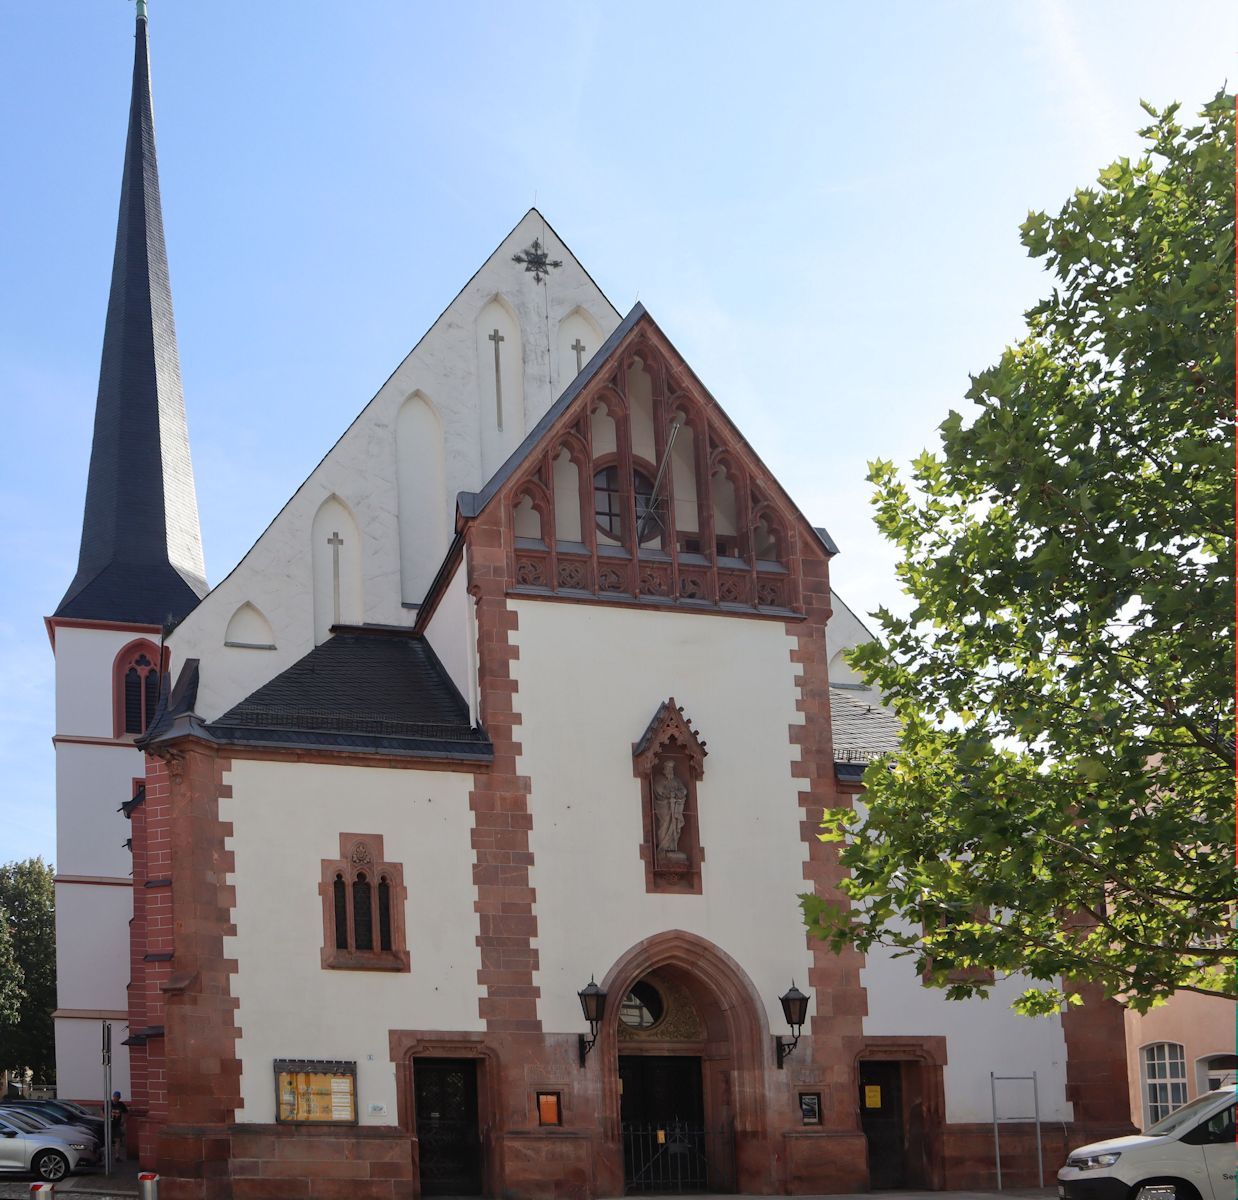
141,554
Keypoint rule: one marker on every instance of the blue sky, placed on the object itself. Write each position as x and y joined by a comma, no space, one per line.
818,202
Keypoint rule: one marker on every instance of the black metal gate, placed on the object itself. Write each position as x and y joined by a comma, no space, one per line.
677,1157
448,1145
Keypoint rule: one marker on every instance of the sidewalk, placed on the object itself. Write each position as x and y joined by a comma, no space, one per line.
122,1184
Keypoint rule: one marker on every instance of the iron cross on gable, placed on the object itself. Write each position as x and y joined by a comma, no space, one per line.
536,260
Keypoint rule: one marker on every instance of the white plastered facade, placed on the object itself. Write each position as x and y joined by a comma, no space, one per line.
590,680
450,375
288,1006
94,895
982,1036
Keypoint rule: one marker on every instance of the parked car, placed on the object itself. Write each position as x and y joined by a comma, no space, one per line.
1188,1155
50,1158
30,1120
62,1110
95,1114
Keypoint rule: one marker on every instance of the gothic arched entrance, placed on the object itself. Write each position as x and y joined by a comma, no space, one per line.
682,1050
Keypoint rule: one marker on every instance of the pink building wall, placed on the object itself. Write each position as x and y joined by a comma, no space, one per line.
1202,1025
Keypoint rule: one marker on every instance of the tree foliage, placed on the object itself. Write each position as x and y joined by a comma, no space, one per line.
27,899
1061,804
11,978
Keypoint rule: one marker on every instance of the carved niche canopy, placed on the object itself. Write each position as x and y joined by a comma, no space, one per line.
669,760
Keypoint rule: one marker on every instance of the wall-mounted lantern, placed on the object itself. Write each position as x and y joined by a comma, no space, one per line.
593,1005
795,1009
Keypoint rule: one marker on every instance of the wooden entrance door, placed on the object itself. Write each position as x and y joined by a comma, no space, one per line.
881,1116
449,1146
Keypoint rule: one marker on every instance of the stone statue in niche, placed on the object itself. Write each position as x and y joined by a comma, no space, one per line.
670,795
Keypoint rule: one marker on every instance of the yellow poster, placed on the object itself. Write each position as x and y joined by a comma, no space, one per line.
872,1095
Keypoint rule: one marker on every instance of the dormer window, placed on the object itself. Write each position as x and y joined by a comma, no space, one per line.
135,688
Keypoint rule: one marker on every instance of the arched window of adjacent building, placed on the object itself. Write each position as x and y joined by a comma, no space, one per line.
1216,1071
363,908
1164,1079
135,676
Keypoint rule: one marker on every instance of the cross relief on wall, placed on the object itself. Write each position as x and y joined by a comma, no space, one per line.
669,760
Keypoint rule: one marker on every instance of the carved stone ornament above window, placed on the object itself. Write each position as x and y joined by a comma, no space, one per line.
669,760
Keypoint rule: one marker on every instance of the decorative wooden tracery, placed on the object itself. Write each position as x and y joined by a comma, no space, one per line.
670,749
704,568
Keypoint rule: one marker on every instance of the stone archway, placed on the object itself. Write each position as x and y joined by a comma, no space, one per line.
735,1050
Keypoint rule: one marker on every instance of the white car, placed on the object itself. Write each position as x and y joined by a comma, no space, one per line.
38,1152
1188,1155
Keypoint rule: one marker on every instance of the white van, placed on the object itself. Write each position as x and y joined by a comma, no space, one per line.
1188,1155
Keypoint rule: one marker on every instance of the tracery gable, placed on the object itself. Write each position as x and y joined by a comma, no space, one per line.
643,491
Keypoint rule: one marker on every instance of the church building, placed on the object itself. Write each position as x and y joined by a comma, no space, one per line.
462,825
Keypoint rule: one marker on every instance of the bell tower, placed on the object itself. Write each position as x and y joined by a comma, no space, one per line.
140,568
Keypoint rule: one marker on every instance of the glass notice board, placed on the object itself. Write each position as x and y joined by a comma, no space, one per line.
315,1091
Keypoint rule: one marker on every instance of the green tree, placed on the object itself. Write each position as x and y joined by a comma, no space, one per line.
12,980
1061,804
27,898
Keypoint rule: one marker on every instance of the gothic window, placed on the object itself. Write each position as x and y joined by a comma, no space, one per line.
363,908
937,919
135,688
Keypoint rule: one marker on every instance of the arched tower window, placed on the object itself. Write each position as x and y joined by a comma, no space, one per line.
135,688
363,908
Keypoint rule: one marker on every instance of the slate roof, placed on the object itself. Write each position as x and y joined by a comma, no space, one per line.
141,552
362,689
861,730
